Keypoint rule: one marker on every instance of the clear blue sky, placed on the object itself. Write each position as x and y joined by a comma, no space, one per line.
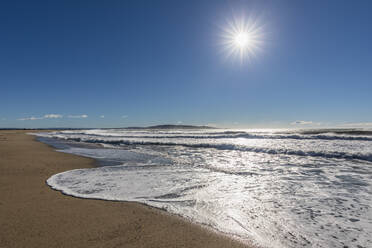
160,62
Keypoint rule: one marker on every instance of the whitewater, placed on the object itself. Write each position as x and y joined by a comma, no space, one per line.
277,188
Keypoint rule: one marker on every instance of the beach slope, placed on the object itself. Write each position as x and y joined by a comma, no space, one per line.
33,215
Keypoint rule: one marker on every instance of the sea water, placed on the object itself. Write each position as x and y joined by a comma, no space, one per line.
277,188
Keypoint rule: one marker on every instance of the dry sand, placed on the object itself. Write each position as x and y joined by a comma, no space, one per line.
33,215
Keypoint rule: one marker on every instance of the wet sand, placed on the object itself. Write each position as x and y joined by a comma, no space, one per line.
34,215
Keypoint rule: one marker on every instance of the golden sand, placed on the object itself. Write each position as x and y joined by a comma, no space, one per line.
34,215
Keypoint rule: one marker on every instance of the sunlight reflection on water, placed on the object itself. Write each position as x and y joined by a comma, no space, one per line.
315,195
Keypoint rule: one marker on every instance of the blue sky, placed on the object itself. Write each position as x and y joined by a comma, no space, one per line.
126,63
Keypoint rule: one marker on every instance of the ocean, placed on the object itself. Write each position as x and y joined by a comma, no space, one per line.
277,188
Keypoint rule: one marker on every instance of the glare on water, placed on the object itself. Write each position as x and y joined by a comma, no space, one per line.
279,189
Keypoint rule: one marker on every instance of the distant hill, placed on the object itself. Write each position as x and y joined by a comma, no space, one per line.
168,126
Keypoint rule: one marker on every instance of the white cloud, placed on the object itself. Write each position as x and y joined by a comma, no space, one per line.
179,122
32,118
124,116
102,116
52,116
77,116
47,116
303,123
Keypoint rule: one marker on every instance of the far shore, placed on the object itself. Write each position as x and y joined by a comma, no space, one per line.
34,215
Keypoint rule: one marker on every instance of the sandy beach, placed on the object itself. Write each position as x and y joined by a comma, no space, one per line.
34,215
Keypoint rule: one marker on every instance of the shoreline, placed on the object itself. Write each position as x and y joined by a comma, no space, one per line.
35,215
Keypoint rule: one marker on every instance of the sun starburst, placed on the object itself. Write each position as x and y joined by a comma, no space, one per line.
242,37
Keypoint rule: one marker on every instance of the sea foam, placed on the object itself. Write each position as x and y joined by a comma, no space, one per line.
277,192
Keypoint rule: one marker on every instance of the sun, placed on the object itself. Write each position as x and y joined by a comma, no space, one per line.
242,38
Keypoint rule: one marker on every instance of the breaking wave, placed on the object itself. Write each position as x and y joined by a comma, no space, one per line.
304,188
224,146
239,134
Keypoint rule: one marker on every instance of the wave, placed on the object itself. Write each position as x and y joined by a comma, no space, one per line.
233,134
338,131
283,151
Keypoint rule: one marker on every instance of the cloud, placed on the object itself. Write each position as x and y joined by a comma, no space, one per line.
32,118
77,116
102,116
303,123
52,116
124,116
47,116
